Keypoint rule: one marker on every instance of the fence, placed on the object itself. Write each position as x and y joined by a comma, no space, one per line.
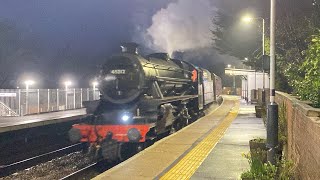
21,102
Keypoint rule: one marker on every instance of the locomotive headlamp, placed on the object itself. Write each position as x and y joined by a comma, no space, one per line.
134,134
125,117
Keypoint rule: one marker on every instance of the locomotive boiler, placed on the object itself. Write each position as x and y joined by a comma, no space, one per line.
141,99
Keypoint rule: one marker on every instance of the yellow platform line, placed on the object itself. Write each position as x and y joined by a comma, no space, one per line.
188,165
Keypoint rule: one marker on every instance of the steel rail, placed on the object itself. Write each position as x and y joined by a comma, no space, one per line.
8,169
80,172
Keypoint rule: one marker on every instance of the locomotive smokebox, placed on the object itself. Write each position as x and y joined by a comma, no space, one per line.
131,48
122,78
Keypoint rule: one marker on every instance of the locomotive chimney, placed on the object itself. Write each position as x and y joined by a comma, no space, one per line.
163,56
177,55
131,48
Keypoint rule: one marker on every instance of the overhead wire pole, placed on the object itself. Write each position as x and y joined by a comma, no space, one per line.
263,36
272,114
27,98
234,82
263,53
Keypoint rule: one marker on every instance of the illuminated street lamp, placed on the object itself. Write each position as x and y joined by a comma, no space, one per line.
28,83
234,80
67,83
94,85
249,19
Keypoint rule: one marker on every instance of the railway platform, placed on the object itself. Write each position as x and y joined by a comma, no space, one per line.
210,148
8,124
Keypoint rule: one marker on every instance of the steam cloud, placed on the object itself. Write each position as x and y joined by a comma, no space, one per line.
183,25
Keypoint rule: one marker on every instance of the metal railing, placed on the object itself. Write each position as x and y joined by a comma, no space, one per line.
6,111
32,101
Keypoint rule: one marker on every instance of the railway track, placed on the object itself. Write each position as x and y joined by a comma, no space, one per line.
82,173
91,170
8,169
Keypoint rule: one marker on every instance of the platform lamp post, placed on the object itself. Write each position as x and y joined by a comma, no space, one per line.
255,76
272,113
94,85
234,80
249,19
67,84
28,83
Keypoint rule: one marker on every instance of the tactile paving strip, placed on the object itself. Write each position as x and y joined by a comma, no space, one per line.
188,165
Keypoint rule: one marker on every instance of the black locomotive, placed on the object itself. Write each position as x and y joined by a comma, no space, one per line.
142,98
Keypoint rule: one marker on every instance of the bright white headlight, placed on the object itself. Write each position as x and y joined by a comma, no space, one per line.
125,118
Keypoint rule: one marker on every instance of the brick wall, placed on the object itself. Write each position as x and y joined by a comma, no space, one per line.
303,136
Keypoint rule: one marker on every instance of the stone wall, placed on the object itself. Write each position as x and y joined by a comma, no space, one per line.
303,136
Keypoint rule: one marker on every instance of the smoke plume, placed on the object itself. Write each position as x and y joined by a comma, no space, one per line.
183,25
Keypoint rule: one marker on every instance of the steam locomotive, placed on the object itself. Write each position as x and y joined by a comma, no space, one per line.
143,98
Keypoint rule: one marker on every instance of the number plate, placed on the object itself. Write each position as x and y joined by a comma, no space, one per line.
118,71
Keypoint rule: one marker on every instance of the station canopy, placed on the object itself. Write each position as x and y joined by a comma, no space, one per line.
238,72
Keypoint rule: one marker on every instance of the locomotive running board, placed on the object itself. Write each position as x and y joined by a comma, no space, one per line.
172,80
177,98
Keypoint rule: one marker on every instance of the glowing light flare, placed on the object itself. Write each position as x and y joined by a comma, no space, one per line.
125,118
29,82
247,19
67,83
95,83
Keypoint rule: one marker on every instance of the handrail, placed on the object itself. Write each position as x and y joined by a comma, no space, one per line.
6,111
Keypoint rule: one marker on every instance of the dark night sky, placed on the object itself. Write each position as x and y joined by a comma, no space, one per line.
81,23
74,36
70,38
